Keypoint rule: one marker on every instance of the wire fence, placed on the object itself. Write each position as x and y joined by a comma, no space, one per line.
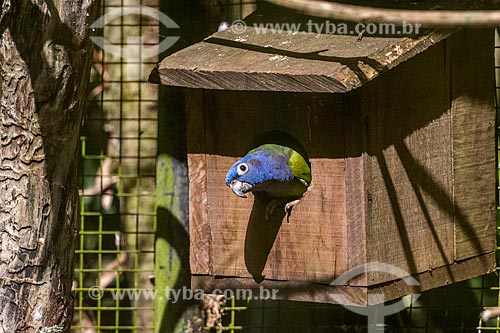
117,177
114,259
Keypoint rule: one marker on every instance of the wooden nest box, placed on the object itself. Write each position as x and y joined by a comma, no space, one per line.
400,134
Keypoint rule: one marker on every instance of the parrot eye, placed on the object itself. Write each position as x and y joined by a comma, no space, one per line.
242,169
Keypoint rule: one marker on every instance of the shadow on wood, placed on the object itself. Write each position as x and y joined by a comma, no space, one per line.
352,62
401,166
260,237
261,233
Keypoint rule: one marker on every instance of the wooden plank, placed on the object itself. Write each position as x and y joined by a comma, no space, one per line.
409,221
300,62
199,228
282,290
473,115
441,276
324,293
355,147
312,246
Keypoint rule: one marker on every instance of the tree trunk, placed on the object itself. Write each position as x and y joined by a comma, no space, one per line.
45,57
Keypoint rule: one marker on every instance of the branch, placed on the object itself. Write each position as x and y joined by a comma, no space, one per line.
427,18
490,313
112,270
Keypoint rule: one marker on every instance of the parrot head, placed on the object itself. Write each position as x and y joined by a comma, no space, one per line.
255,169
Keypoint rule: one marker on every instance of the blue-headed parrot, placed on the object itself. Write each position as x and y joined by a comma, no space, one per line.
279,171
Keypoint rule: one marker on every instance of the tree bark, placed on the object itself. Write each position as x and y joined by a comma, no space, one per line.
45,57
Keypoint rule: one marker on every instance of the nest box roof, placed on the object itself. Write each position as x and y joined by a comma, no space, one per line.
294,62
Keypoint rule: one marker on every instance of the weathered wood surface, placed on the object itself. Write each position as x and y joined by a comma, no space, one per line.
441,276
45,59
392,165
199,230
305,291
356,208
473,124
428,164
233,231
284,290
302,62
408,165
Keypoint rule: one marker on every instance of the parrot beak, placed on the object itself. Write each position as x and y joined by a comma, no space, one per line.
240,188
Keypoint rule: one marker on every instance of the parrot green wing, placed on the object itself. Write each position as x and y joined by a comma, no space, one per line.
300,167
296,162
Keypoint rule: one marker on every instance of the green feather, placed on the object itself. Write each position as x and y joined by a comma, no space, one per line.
300,167
297,163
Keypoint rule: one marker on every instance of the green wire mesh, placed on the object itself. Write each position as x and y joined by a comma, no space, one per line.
115,252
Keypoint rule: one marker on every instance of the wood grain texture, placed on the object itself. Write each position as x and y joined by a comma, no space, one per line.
199,231
442,276
392,165
300,62
283,290
313,292
473,116
45,57
356,206
408,165
314,240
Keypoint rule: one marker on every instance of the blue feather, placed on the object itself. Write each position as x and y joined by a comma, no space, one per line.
263,166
